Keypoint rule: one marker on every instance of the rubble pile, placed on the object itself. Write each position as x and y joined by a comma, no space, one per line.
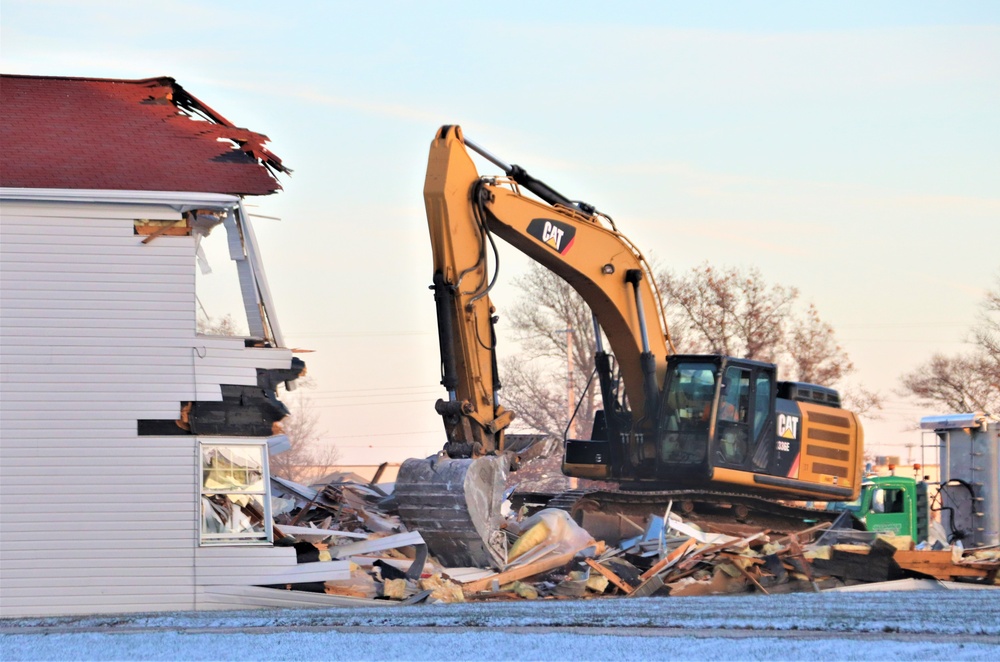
550,556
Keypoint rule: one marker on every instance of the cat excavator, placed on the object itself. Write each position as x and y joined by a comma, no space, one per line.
695,429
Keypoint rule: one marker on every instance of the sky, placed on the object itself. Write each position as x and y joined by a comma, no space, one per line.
847,149
901,625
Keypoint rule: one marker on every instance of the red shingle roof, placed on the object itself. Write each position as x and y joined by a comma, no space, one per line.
142,135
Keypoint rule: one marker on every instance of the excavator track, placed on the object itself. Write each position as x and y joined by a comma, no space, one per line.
724,511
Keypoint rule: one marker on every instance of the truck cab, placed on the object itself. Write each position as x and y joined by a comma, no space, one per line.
894,505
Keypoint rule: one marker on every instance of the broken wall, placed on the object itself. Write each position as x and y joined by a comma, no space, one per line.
98,333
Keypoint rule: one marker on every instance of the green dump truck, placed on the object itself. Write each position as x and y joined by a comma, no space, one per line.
966,500
894,505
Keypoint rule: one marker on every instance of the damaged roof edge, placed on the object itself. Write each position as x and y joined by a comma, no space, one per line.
189,103
180,200
59,131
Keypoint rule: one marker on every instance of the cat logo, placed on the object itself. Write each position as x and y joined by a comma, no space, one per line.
788,426
556,235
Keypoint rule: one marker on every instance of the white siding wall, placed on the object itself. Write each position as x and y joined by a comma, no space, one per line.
98,331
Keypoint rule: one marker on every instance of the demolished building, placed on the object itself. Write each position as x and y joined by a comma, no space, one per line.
133,447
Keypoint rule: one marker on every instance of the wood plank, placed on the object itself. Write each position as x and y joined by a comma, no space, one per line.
746,574
939,564
679,551
610,576
520,572
701,553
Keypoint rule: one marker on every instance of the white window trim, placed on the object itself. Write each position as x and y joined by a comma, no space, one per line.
233,539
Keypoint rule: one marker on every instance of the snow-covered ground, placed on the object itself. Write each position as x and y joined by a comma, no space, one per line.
927,625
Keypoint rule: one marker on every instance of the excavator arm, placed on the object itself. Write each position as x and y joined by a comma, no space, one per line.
465,211
454,498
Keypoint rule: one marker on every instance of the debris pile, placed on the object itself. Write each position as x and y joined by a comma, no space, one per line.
550,556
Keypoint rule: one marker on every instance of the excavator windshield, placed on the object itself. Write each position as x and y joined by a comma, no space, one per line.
686,411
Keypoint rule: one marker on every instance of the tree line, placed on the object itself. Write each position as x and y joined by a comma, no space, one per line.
731,311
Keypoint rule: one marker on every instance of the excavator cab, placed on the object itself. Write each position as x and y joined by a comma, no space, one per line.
715,413
727,423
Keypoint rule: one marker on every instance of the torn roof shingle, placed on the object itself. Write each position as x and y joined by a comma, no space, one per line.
140,135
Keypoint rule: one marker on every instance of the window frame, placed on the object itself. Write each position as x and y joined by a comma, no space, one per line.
206,538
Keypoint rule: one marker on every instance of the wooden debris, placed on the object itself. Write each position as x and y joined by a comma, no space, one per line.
749,576
395,566
521,572
941,565
610,576
874,564
669,558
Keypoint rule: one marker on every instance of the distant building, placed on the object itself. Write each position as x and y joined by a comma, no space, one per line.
133,449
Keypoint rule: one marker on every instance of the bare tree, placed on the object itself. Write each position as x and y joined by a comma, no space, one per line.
552,376
226,326
726,311
308,458
963,383
735,312
986,334
813,353
968,382
716,311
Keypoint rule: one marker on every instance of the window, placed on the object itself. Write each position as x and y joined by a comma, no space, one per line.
235,499
733,399
762,403
888,501
731,419
687,408
762,438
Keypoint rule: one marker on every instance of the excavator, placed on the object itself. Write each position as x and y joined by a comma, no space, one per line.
694,429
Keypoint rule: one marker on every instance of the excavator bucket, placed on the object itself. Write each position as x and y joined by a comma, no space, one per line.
455,505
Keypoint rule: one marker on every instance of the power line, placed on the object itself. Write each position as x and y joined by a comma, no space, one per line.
378,390
381,403
373,395
331,334
906,341
385,434
902,325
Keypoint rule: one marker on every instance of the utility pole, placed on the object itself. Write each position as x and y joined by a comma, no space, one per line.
571,429
571,424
